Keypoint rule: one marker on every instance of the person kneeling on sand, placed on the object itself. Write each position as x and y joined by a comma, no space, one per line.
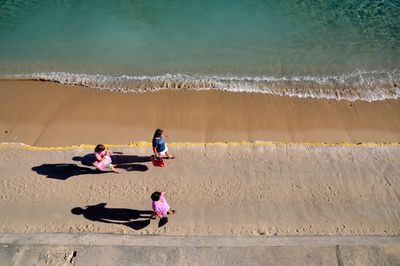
103,159
159,146
160,206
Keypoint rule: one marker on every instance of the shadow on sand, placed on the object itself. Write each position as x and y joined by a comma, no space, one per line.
127,162
63,171
134,219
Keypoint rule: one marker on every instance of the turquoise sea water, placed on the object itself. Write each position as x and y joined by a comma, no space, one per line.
330,49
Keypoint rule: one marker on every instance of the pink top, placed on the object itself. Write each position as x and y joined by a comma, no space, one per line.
102,165
161,206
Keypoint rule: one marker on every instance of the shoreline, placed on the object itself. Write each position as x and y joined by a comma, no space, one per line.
46,114
321,167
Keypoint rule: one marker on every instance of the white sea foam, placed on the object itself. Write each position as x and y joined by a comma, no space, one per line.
358,85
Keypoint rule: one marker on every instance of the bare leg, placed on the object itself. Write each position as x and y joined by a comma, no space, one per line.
113,169
169,156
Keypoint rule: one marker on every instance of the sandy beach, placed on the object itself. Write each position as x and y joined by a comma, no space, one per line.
260,179
50,114
281,120
216,189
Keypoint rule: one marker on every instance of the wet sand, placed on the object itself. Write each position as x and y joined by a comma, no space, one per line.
50,114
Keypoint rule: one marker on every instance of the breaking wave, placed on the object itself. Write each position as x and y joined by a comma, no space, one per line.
357,85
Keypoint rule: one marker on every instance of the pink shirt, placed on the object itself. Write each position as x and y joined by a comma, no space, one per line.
161,206
102,165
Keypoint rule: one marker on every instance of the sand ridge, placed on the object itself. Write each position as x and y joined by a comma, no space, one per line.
199,144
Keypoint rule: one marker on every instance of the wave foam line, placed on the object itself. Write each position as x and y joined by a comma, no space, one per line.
357,85
204,144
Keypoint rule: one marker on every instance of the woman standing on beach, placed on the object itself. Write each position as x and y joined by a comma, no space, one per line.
159,146
160,206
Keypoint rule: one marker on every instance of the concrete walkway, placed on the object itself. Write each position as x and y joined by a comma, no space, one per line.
110,249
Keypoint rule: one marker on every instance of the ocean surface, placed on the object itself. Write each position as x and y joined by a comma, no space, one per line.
342,49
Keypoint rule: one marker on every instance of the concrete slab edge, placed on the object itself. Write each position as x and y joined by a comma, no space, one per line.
193,241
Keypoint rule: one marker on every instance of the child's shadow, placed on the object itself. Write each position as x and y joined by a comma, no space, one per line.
127,162
63,171
127,217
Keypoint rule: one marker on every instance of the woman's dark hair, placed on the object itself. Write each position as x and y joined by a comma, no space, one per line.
99,148
156,196
158,133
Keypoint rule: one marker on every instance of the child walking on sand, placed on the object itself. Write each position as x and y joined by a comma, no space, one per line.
159,146
103,159
160,206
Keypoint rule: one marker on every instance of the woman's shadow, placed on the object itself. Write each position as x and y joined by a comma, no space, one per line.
135,219
127,162
63,171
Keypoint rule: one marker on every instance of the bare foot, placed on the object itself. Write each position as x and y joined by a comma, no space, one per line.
114,170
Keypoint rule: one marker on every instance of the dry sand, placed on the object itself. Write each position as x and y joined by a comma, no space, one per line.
255,188
216,189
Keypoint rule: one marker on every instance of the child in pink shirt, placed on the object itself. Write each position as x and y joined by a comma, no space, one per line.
103,159
160,205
